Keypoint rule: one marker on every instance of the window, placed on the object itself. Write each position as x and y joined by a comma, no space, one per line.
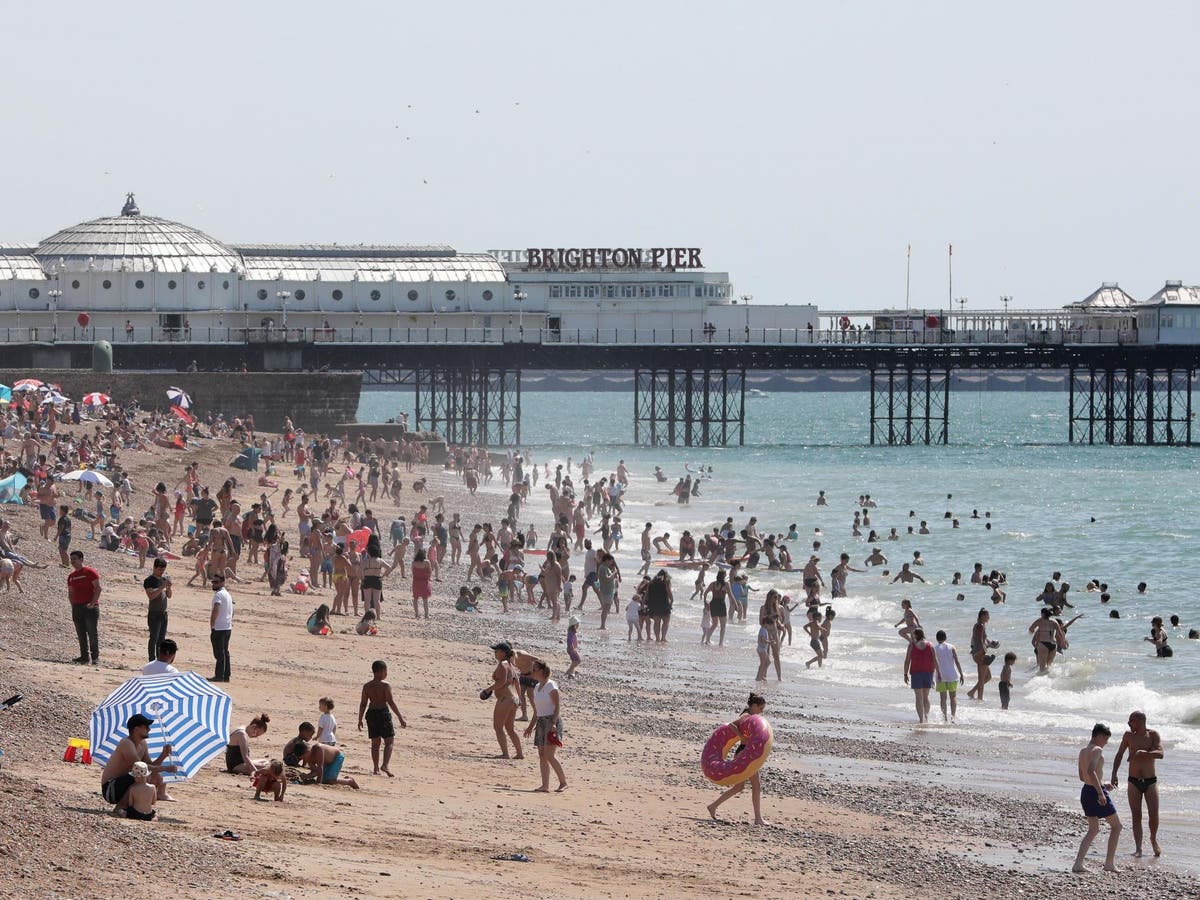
591,290
375,295
139,284
262,293
106,284
628,290
34,293
610,290
170,285
574,290
200,284
412,295
450,295
487,295
74,285
666,290
337,295
299,294
645,290
555,291
224,285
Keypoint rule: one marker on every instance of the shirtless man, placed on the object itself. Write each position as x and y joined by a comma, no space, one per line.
837,578
1144,746
1094,799
325,762
117,777
553,579
647,555
376,699
1048,636
46,495
876,558
907,575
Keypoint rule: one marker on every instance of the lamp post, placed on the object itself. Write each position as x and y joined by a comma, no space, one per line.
283,299
1006,300
520,296
54,297
962,310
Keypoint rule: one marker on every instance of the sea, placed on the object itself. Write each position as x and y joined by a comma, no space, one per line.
1121,515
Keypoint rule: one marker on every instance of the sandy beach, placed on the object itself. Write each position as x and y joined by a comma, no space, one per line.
853,813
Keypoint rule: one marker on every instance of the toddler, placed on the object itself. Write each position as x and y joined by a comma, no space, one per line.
633,617
327,724
1006,678
573,645
273,778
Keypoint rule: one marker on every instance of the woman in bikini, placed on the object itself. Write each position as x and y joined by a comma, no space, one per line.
341,580
504,689
373,570
983,660
1048,636
716,596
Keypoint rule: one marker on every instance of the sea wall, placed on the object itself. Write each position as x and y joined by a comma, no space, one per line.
316,401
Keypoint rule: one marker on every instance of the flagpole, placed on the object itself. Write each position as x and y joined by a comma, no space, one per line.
907,275
950,269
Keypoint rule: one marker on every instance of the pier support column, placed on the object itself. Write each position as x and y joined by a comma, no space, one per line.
1130,406
465,405
689,408
910,405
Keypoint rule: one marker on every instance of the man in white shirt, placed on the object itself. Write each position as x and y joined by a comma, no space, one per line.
162,665
221,627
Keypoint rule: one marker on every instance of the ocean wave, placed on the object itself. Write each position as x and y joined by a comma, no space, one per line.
1115,701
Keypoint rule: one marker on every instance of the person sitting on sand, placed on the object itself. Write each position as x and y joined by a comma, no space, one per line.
141,795
318,622
117,777
325,763
754,707
237,751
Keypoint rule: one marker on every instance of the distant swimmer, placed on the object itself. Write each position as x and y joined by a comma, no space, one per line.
1158,637
1144,746
837,577
907,576
924,529
876,558
821,501
917,561
1094,799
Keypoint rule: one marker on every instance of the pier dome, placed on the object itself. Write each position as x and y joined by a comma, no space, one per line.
132,242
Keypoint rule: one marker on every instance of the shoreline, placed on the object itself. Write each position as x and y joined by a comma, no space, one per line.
632,821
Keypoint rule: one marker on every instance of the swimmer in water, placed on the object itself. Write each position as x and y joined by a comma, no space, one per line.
909,620
907,575
876,558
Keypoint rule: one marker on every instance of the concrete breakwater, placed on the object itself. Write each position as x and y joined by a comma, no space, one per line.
316,401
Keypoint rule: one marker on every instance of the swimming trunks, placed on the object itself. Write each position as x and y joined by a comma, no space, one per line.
1143,784
528,681
379,723
1005,694
1092,807
114,789
333,769
132,813
947,687
815,644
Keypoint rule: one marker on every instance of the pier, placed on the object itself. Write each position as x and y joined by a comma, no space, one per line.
692,393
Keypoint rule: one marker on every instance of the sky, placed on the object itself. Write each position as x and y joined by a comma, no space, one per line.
803,146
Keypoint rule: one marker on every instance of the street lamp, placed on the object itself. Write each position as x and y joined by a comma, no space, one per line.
54,297
520,296
962,309
283,299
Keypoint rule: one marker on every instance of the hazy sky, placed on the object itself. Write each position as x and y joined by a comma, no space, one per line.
802,146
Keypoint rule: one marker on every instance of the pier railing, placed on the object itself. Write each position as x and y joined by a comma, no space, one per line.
588,337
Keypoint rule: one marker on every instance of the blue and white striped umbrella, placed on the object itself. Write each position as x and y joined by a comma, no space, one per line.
189,713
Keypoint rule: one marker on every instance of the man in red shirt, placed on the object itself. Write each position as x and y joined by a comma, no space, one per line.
83,590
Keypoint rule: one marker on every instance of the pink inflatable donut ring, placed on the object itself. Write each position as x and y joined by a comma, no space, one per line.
753,731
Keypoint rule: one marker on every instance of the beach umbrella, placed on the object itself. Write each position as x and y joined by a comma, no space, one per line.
183,414
28,384
53,399
5,394
96,398
179,397
90,475
189,713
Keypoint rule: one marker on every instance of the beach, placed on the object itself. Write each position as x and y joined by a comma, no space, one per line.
862,803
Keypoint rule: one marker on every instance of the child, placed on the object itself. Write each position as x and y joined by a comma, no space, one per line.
376,701
367,625
1006,678
910,621
813,629
327,724
706,623
465,602
273,778
318,622
633,617
700,581
506,583
142,794
9,575
573,645
569,592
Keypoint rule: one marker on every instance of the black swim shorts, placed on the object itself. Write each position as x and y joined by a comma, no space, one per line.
379,723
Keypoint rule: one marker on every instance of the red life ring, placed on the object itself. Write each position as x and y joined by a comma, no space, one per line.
844,322
932,322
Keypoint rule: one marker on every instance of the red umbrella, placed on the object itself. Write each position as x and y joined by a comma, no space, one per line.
28,384
95,398
183,414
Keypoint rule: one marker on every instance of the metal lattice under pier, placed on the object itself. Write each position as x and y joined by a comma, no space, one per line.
910,406
467,405
689,407
1130,406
